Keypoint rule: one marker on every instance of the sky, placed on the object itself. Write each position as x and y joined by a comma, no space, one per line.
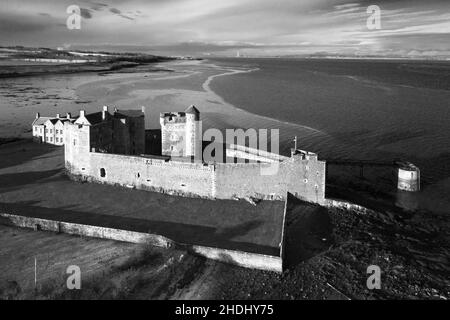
409,28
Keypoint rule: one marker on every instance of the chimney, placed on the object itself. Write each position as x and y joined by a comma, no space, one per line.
58,115
68,116
82,113
38,115
143,109
105,110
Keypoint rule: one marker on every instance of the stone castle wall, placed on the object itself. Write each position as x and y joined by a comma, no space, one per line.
303,178
183,178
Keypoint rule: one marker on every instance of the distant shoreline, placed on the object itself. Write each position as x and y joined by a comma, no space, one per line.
46,69
23,62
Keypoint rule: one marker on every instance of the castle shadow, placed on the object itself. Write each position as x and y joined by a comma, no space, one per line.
308,231
17,153
178,232
13,181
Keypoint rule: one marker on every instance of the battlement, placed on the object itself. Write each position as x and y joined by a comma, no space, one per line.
298,154
173,117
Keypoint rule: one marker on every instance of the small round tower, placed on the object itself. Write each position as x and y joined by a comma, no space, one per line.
408,177
192,135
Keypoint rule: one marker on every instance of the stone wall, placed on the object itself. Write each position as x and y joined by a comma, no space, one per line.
242,180
240,258
85,230
184,178
305,178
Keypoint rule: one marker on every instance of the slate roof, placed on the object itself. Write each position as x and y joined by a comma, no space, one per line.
128,113
94,118
40,121
192,110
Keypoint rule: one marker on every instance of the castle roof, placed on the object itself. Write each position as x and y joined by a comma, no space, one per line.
129,113
94,118
40,121
192,110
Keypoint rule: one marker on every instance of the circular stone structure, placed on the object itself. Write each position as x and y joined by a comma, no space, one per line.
408,177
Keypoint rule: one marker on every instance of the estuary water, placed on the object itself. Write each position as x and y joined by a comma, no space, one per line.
368,109
357,109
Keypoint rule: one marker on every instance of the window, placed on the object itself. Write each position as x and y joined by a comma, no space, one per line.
56,131
51,130
56,139
51,139
74,141
61,131
102,172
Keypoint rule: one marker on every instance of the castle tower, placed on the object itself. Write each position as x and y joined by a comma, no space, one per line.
180,133
408,177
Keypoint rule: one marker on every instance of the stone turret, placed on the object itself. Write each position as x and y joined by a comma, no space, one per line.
408,177
181,133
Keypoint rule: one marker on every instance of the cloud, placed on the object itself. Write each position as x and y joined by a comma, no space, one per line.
126,17
114,10
85,13
120,14
97,6
264,26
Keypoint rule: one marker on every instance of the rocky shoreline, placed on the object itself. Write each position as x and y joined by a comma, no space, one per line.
412,251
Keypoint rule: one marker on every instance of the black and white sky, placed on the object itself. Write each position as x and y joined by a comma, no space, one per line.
253,27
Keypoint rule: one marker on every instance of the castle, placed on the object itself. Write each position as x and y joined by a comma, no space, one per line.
110,148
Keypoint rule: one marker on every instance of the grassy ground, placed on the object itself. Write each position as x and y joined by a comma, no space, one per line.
109,269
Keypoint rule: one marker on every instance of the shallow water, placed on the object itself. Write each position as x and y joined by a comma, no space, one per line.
368,109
